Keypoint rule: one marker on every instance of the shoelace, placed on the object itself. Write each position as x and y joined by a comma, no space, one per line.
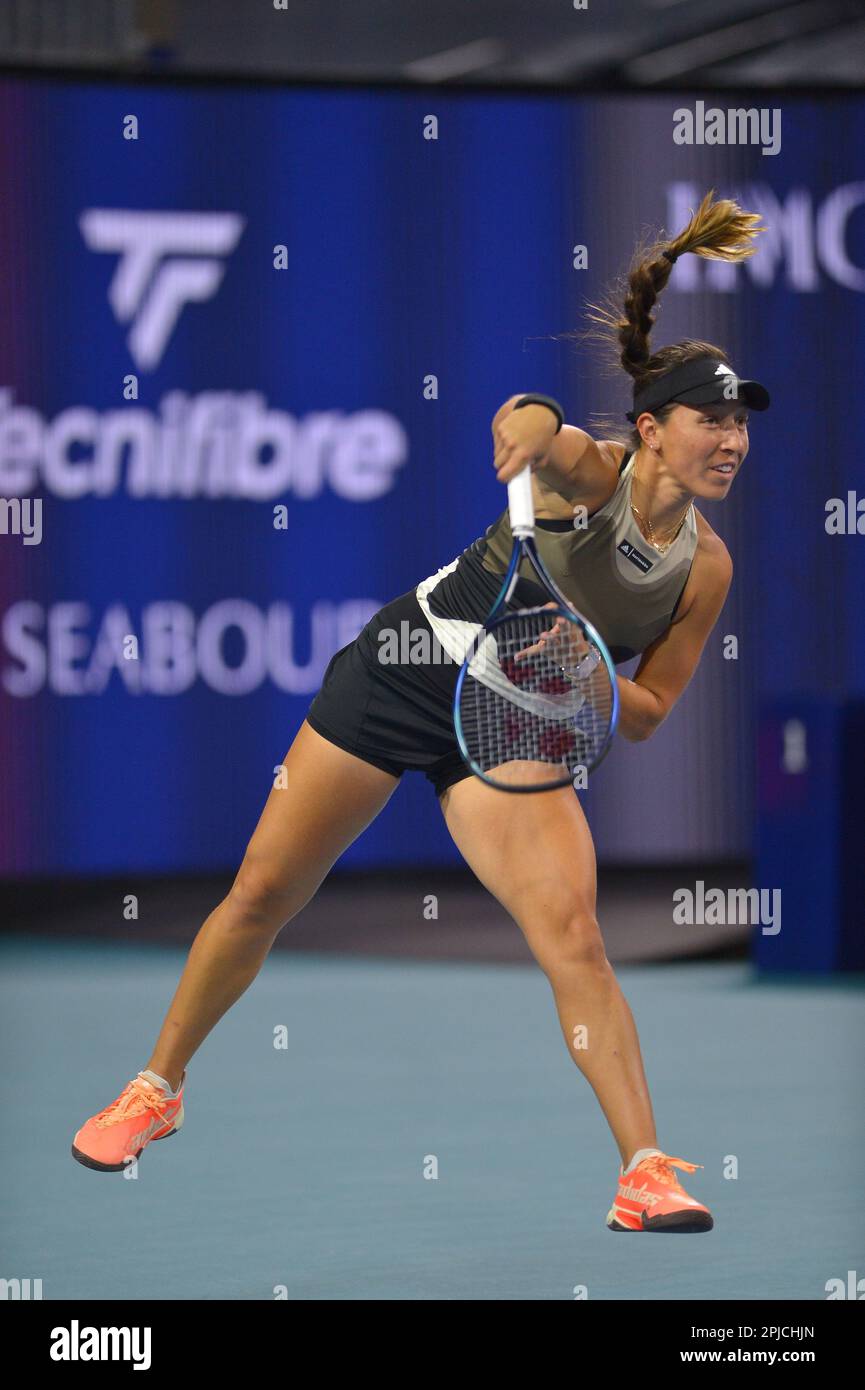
661,1166
137,1097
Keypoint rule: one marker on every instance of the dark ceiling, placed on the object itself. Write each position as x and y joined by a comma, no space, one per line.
540,42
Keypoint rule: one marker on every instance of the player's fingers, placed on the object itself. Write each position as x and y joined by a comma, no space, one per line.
538,646
502,454
513,463
530,651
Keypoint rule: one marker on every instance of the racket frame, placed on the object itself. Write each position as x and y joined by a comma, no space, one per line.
521,511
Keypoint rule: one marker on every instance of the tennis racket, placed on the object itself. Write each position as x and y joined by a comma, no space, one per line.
536,701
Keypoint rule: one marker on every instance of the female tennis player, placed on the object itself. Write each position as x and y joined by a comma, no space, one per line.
650,574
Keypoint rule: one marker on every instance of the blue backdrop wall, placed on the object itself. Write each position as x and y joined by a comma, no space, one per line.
169,377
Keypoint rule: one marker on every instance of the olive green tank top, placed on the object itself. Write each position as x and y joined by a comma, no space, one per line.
606,568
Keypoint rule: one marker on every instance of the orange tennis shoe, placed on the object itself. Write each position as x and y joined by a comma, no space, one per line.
143,1111
651,1198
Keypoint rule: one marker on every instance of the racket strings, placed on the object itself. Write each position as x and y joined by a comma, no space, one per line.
537,701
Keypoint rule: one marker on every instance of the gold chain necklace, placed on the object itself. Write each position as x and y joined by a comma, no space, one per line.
661,546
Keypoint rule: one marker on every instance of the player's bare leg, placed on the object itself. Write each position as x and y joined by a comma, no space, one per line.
328,798
535,854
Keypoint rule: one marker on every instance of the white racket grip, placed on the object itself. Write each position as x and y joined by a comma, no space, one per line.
520,505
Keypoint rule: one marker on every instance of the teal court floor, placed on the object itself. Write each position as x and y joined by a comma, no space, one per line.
300,1169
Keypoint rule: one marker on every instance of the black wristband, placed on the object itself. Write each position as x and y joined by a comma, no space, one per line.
548,402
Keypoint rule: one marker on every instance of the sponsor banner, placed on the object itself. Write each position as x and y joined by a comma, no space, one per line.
250,348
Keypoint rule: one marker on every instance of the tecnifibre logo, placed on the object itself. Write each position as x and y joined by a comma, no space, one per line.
166,260
76,1343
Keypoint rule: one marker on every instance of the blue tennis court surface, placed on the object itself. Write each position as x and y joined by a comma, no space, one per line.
302,1168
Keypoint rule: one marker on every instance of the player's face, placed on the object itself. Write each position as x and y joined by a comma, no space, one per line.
706,445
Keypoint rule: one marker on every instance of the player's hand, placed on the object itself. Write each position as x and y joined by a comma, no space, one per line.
564,634
522,438
549,636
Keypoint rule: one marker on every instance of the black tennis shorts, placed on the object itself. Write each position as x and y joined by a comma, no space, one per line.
394,713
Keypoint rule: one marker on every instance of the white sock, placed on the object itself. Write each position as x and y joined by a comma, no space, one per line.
160,1081
641,1153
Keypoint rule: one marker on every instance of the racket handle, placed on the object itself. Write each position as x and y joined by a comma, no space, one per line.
521,507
